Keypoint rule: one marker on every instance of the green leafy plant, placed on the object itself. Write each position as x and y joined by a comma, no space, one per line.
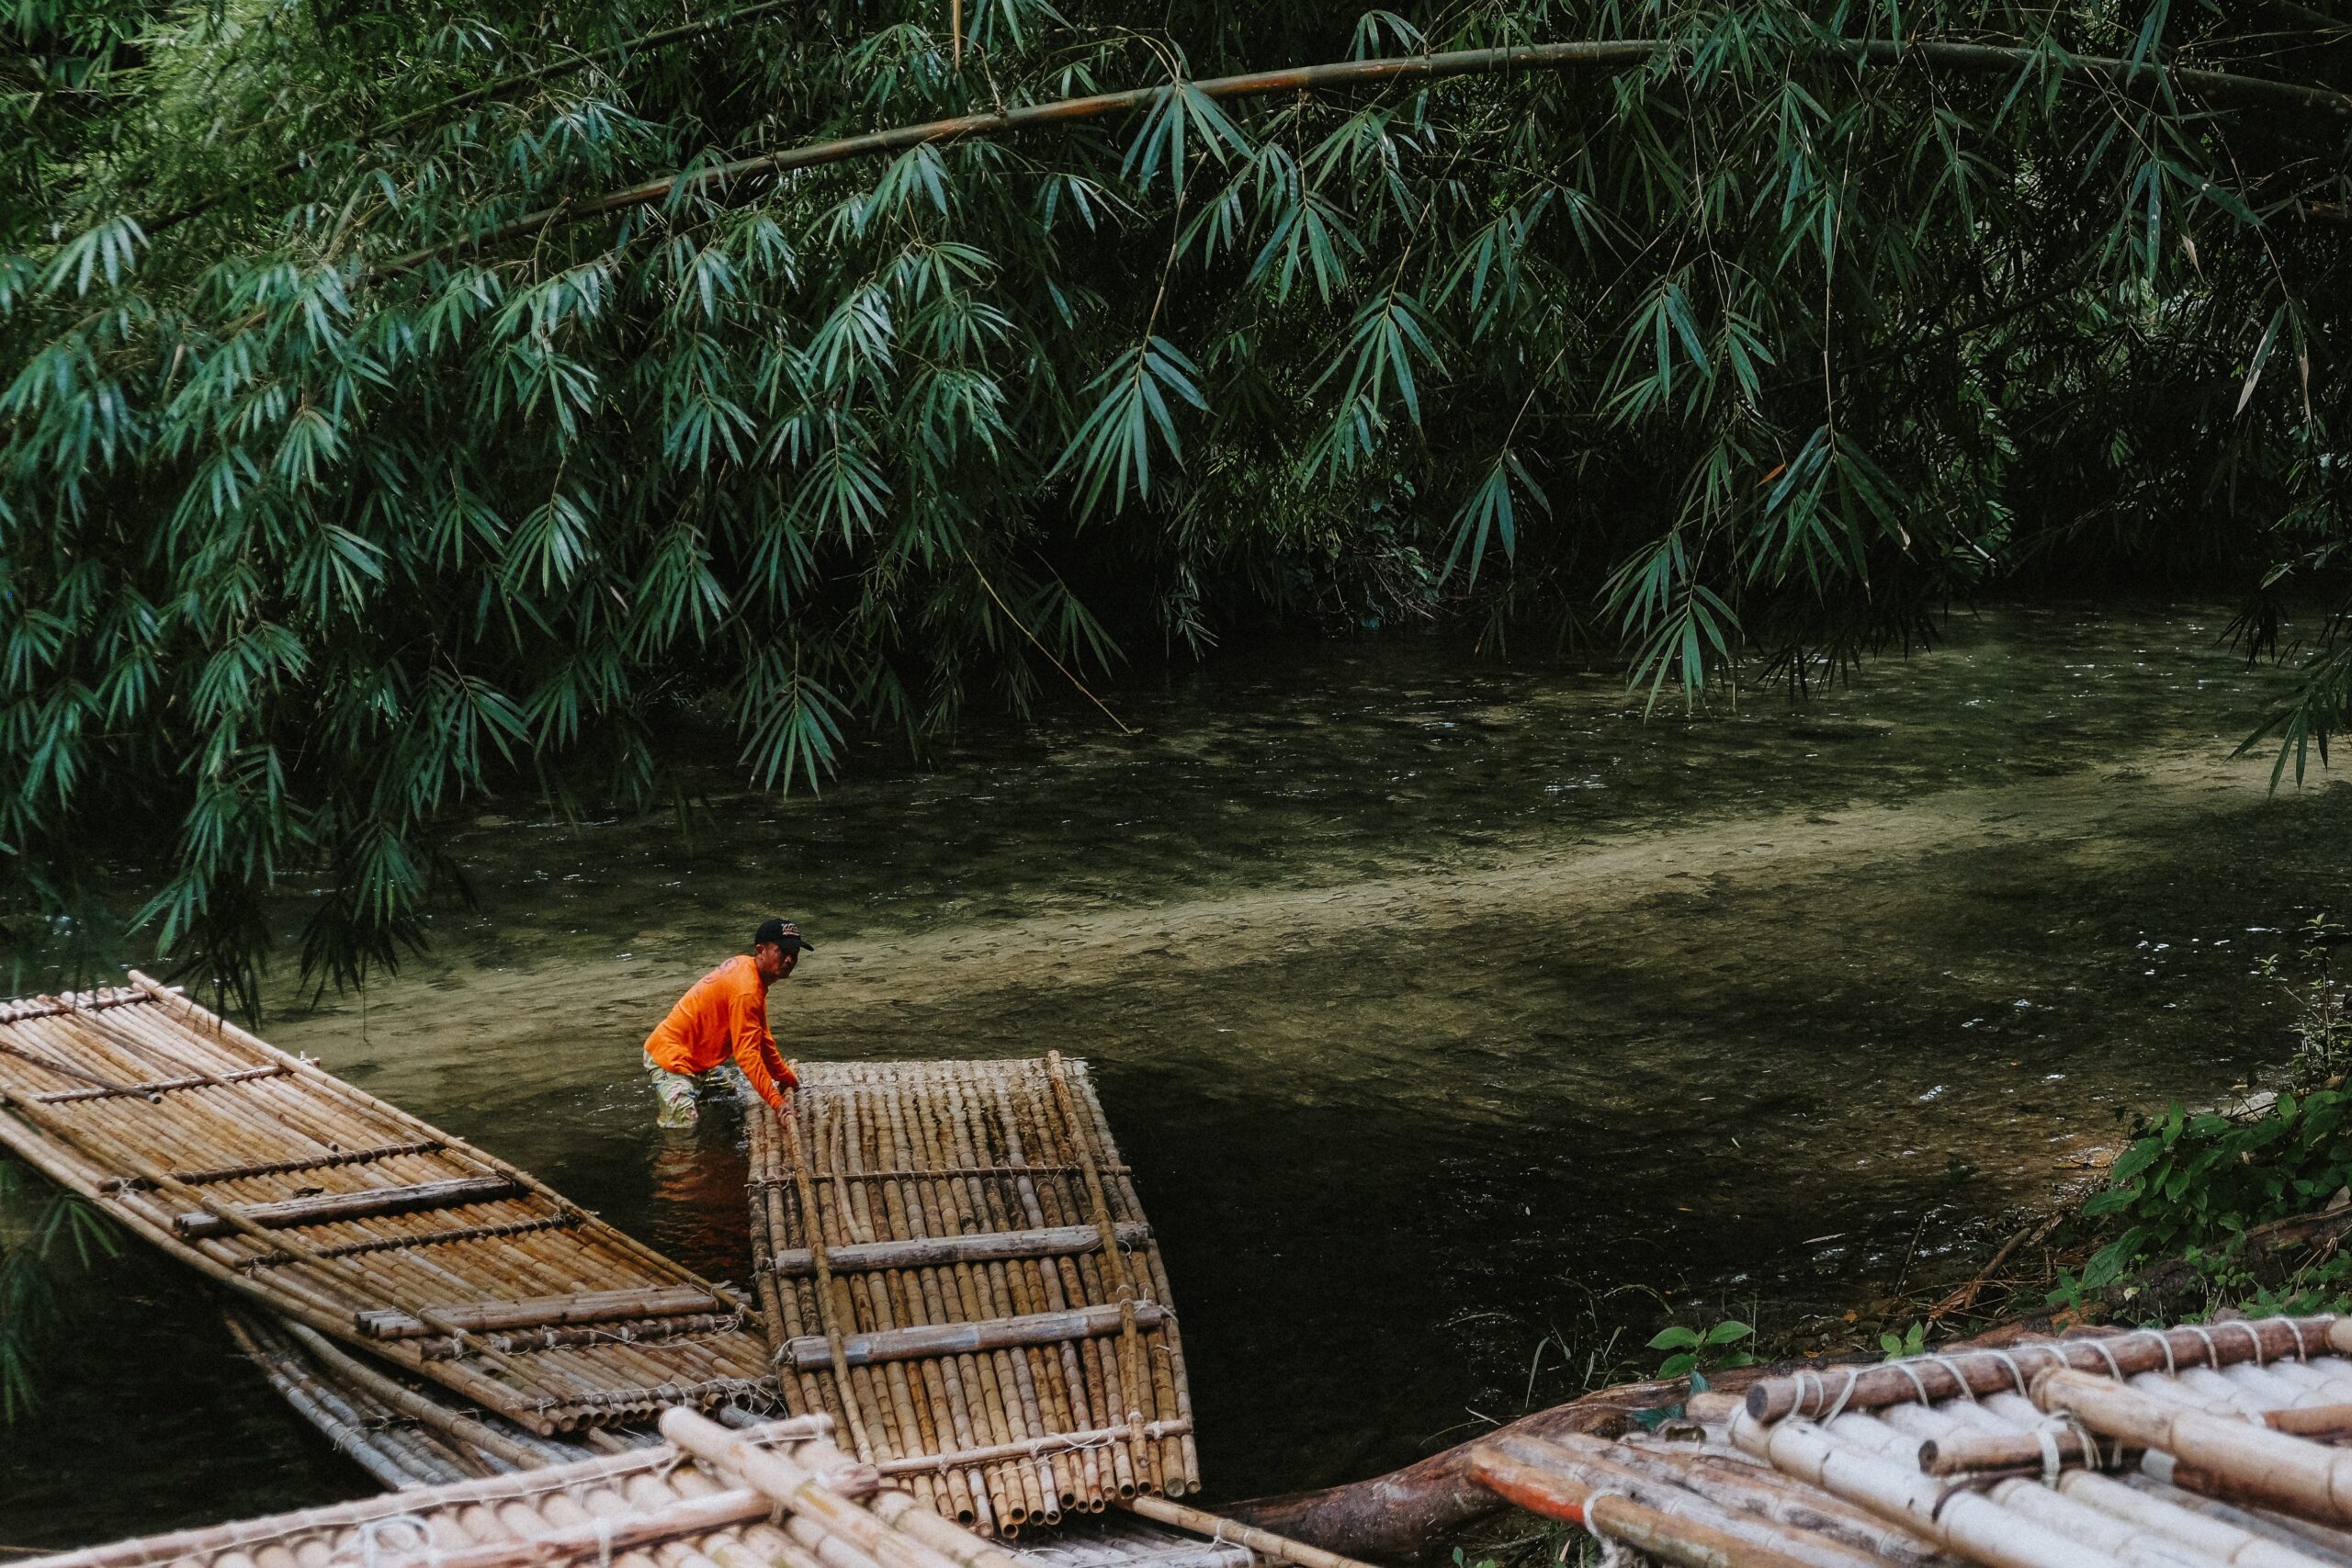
1697,1352
28,1288
1908,1343
403,403
2322,1021
2192,1185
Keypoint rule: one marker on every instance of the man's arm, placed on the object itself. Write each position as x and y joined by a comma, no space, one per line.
756,1051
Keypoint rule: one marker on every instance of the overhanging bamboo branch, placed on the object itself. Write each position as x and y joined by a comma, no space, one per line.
549,73
2138,76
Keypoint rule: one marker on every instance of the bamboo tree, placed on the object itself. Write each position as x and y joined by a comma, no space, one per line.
519,381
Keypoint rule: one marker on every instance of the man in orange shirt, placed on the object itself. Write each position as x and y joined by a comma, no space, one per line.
726,1014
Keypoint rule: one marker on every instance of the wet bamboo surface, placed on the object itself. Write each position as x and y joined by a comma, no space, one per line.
972,1369
779,1495
2206,1446
322,1205
402,1436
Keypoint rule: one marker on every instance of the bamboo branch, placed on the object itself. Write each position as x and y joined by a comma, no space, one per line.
1961,57
466,99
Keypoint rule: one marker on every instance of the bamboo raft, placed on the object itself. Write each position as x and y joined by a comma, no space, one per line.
2195,1447
402,1438
341,1214
980,1305
778,1495
770,1494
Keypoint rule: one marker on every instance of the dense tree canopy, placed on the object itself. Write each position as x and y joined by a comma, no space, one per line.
393,398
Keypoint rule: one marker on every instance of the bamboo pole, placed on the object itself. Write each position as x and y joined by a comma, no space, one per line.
453,1424
318,1162
999,1496
2130,1523
902,1288
1916,54
900,1512
965,1490
961,1338
986,1246
788,1482
812,1222
348,1436
1983,1372
1084,1478
1732,1483
1113,1261
1280,1549
1964,1521
2305,1476
544,1312
1168,1363
1692,1535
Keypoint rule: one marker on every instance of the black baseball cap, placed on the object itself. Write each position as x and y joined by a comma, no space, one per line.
783,934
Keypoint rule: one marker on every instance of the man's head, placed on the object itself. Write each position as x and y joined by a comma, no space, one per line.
777,947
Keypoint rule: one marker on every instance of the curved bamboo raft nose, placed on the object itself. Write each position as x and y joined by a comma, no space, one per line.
978,1302
324,1204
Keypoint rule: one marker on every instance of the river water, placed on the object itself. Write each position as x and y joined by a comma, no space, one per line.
1454,1017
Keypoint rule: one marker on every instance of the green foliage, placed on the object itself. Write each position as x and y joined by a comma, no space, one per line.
2320,1024
1749,347
1910,1342
27,1294
1697,1353
2193,1185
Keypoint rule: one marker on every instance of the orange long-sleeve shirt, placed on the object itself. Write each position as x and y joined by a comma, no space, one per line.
724,1012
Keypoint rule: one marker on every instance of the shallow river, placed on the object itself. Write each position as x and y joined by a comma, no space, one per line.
1453,1017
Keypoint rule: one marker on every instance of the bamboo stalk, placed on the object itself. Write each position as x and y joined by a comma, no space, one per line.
959,1338
900,1511
813,1224
316,1162
66,1070
785,1482
986,1246
1113,1261
2129,1523
951,1422
153,1090
453,1424
1964,1521
347,1436
1694,1536
1917,53
328,1207
2253,1459
1282,1549
1942,1377
541,1311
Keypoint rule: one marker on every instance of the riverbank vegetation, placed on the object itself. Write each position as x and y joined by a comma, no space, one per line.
394,402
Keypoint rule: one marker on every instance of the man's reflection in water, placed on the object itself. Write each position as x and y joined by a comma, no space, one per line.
698,1176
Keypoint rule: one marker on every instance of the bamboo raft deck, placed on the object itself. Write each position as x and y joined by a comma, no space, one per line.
774,1494
340,1213
979,1304
2208,1445
401,1436
778,1495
